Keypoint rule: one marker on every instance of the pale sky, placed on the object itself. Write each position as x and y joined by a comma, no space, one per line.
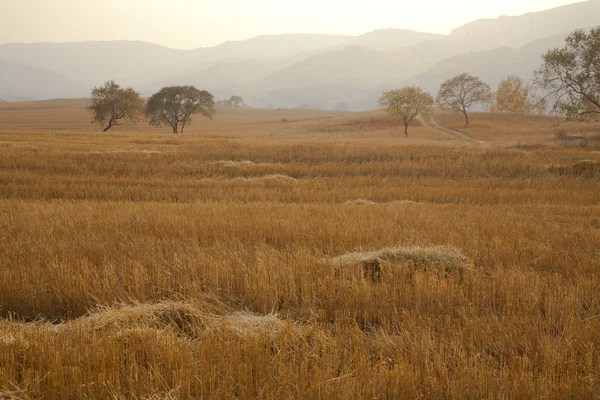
187,24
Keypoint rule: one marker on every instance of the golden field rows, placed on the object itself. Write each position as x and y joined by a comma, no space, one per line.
298,255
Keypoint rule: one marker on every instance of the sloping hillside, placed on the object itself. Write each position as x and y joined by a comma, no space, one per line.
355,65
516,31
299,69
393,39
491,66
96,62
135,63
19,82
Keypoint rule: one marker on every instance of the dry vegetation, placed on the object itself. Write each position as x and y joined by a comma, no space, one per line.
314,257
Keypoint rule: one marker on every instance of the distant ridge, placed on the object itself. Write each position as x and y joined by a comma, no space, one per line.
23,82
297,69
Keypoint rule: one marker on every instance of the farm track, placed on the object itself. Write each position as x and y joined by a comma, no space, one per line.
463,137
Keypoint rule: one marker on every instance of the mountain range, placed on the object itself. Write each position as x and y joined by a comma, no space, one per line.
298,70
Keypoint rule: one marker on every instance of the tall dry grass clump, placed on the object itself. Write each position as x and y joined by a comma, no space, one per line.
421,257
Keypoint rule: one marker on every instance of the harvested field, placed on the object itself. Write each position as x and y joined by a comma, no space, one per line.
229,262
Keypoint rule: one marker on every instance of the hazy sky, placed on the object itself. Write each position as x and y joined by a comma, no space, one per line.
197,23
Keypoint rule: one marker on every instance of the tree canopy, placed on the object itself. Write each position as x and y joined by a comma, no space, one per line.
175,105
572,75
516,96
462,92
111,103
406,103
236,102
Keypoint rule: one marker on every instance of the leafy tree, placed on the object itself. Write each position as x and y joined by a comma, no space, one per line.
111,103
462,92
236,102
406,103
175,105
572,75
515,96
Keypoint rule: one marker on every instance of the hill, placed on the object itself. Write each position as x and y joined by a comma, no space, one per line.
135,63
93,63
354,75
516,31
18,81
304,69
392,39
491,66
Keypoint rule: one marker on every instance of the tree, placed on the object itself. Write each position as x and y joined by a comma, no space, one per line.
572,75
515,96
111,103
406,103
175,105
236,102
462,92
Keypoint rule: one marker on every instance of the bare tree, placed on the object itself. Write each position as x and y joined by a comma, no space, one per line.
406,103
572,75
462,92
175,105
111,103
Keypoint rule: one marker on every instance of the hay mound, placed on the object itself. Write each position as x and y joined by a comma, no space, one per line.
421,257
233,163
582,168
360,202
248,324
184,319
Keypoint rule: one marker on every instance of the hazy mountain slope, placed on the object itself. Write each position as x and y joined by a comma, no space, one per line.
517,31
229,74
393,39
135,63
288,69
419,57
271,47
491,65
354,65
19,81
96,62
353,75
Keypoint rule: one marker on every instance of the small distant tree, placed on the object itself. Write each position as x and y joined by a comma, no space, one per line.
572,75
515,96
235,102
406,103
462,92
111,103
175,105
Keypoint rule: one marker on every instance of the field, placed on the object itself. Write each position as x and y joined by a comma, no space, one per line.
298,255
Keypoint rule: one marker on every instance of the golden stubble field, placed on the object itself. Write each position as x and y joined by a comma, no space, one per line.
298,255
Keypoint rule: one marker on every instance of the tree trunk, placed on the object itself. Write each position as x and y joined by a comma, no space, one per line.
405,128
466,116
175,128
110,125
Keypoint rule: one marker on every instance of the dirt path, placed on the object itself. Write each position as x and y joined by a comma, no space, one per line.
433,124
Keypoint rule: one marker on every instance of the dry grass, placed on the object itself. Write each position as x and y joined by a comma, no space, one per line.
438,257
142,265
583,168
